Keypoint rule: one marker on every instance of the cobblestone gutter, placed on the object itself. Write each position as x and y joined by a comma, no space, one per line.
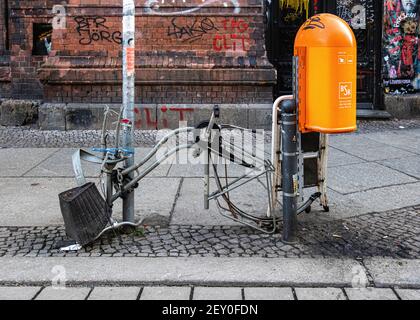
393,234
25,137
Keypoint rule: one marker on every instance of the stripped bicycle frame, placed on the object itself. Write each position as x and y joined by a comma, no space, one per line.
121,181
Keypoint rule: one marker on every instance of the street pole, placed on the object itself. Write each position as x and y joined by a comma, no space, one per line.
289,169
129,10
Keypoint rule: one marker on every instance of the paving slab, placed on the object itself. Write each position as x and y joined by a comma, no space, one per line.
18,293
338,158
60,165
217,293
408,165
319,294
377,146
361,203
114,293
161,171
197,171
166,293
34,201
361,177
389,272
404,140
336,140
340,207
154,199
414,132
407,294
16,162
67,293
375,151
268,294
370,294
384,199
189,208
276,272
188,166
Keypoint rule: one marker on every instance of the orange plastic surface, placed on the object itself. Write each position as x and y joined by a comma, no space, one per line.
327,70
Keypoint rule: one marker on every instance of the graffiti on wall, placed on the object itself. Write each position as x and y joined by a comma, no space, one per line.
357,13
231,35
235,36
153,6
191,31
93,29
146,120
299,6
59,21
400,48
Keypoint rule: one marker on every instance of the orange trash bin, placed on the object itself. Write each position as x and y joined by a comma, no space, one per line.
327,70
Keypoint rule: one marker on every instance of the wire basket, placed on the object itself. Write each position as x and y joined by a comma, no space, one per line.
85,213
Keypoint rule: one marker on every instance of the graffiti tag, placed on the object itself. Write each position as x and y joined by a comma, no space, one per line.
313,23
152,7
93,29
148,122
191,32
236,39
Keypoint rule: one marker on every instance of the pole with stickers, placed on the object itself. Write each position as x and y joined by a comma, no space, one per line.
324,102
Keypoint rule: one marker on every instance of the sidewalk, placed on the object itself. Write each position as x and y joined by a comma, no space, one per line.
374,193
209,278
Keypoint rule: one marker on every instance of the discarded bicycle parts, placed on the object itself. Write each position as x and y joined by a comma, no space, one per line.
299,149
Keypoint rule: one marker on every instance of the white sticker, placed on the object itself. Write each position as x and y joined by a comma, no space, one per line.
345,90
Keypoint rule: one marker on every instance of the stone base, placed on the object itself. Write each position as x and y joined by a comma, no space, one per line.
74,116
403,106
18,112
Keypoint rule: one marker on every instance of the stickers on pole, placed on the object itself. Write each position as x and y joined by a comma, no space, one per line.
130,61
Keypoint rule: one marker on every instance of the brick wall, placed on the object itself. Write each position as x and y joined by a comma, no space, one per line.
186,52
4,56
24,66
2,26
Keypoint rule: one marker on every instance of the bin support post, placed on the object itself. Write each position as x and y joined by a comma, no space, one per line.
289,169
207,178
129,9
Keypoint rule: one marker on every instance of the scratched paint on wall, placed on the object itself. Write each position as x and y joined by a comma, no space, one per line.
357,13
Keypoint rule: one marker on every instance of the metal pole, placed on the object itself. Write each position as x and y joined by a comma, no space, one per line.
290,177
129,10
275,152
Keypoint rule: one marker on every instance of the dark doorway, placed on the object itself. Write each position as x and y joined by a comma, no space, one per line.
365,18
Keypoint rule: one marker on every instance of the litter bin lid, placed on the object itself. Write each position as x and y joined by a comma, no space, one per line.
325,30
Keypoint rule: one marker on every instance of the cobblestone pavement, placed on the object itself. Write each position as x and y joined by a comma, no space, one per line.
393,234
205,293
26,137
